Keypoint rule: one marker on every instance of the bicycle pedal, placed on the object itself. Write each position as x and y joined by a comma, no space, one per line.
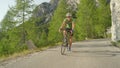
64,45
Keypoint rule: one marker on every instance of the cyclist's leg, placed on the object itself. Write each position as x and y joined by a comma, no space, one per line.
70,42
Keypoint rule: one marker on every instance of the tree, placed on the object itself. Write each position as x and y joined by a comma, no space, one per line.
8,21
24,10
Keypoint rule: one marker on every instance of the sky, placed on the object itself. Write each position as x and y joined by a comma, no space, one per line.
4,6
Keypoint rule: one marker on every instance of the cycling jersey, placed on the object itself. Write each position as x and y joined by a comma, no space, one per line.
68,24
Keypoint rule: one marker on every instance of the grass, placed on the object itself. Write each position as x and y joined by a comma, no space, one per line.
25,53
15,55
117,44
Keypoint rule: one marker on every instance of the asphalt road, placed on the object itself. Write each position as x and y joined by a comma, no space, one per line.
85,54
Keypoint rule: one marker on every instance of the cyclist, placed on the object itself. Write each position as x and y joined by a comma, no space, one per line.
68,26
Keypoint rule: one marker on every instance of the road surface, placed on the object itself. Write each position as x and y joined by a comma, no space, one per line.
85,54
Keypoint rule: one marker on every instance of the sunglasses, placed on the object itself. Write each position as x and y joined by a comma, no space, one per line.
68,16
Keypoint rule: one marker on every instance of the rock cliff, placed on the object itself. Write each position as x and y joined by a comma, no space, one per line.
115,12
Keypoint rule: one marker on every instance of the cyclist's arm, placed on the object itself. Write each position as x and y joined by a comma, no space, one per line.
63,25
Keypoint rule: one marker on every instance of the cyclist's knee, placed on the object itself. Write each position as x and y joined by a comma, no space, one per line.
70,38
64,31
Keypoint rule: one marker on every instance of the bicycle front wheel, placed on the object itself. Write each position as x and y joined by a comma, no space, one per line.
63,48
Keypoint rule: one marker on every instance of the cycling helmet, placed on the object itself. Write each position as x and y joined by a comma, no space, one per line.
68,14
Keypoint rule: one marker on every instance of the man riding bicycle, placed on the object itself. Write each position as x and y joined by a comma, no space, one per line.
68,26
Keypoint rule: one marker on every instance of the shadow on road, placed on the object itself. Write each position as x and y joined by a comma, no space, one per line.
93,53
91,46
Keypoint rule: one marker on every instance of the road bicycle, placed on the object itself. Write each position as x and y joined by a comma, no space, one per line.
65,42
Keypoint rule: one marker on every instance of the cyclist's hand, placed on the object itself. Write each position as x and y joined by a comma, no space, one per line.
60,30
72,31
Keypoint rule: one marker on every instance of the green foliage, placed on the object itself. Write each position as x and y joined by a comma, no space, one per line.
24,10
11,42
92,20
17,14
8,23
103,18
85,19
43,40
13,38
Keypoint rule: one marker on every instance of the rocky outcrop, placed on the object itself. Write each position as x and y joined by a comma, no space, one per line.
115,12
45,11
73,4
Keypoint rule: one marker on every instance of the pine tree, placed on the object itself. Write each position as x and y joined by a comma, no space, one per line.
24,10
8,21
